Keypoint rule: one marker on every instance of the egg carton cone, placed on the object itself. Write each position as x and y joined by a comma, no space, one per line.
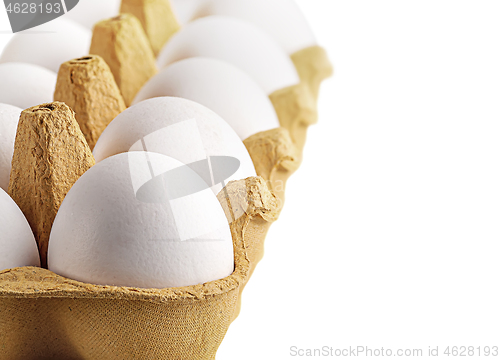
157,19
50,154
124,46
87,86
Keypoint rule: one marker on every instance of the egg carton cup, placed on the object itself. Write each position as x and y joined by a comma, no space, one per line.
46,316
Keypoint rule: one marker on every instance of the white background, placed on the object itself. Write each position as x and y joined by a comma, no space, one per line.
390,234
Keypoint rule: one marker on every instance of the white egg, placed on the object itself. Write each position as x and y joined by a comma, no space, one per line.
183,130
120,225
9,118
185,10
237,42
26,85
49,45
90,12
282,19
219,86
16,238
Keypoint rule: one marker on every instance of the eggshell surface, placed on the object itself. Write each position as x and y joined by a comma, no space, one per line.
282,19
9,118
221,87
90,12
179,128
16,238
49,45
26,85
110,232
237,42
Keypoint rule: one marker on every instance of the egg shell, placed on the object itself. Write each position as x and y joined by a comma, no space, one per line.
89,12
9,118
282,19
185,10
179,128
26,85
237,42
104,234
16,238
49,45
221,87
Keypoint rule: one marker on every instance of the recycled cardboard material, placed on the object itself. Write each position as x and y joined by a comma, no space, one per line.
296,109
46,316
157,18
275,158
296,106
238,203
50,154
313,66
89,88
124,46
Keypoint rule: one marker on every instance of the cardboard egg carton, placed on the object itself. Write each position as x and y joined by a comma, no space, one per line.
44,315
